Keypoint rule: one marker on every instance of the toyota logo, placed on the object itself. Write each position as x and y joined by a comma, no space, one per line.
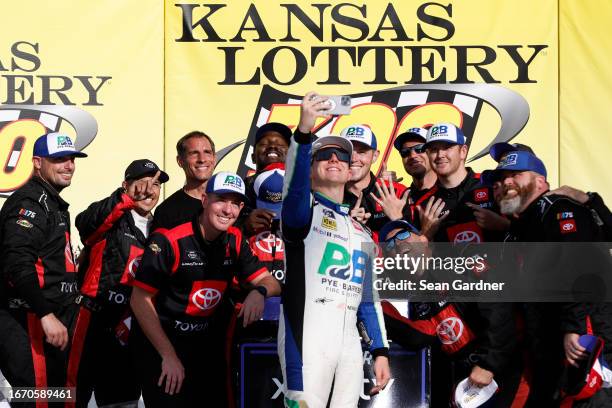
133,265
265,241
568,226
206,298
449,330
481,194
467,236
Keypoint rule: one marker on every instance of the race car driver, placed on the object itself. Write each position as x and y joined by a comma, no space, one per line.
328,283
114,232
178,288
39,269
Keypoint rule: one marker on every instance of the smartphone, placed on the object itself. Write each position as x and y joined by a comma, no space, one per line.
339,105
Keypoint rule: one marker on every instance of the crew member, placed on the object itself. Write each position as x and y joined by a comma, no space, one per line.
411,147
537,217
39,270
328,286
195,154
482,349
178,288
360,192
114,231
271,144
450,215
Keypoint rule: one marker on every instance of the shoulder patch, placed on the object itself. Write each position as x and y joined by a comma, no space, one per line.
565,215
27,213
24,223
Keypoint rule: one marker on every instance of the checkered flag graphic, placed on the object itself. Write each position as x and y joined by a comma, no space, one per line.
401,100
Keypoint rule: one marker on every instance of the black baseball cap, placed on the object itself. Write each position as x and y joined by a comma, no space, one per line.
144,167
284,131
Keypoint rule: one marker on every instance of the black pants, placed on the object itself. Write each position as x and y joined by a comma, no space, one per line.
107,366
27,360
203,359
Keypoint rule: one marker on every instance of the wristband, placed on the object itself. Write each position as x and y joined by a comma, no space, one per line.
262,290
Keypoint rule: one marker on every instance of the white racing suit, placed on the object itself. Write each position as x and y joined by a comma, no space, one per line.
328,289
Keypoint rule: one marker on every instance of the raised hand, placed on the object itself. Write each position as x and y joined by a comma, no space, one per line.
359,213
313,106
430,216
390,203
143,188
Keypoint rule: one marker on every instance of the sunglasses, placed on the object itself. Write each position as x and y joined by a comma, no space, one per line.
420,148
326,154
400,236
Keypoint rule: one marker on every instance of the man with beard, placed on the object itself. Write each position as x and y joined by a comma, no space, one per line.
591,200
39,271
271,144
538,217
360,191
195,154
411,147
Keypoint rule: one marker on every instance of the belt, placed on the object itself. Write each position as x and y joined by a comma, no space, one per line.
88,303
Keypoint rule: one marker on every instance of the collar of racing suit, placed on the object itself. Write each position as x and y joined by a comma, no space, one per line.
466,184
341,209
63,205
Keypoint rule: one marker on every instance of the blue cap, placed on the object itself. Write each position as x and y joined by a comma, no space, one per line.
360,133
498,149
517,160
55,145
445,132
224,183
269,190
391,225
284,131
412,133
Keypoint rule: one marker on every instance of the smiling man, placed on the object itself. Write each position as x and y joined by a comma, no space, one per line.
178,290
195,154
114,231
271,144
328,285
449,214
39,269
411,147
361,188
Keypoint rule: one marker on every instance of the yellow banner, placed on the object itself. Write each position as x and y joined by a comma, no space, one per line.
104,60
148,72
232,66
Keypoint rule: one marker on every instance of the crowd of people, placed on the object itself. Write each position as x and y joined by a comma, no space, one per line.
153,299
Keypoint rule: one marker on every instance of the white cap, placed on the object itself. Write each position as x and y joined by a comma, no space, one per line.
360,133
445,132
468,395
